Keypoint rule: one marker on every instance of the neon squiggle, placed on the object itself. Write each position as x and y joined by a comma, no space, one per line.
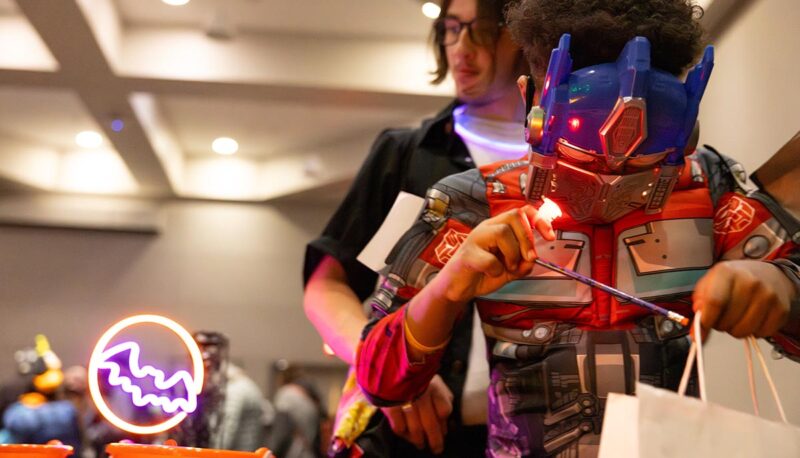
94,374
167,404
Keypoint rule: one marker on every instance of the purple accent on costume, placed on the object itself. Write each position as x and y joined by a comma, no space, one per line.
167,404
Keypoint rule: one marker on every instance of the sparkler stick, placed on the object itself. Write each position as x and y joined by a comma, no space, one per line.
674,316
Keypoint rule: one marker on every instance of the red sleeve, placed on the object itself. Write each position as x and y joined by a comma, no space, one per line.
744,228
383,369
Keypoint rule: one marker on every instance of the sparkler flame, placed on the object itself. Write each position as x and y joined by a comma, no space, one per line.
549,210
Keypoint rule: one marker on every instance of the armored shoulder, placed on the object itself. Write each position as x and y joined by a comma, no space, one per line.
722,173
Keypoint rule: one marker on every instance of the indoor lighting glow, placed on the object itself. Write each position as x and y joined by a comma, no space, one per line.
175,2
88,139
99,361
225,146
465,133
94,171
549,210
431,10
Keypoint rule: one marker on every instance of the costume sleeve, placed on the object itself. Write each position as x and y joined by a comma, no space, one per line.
383,369
754,226
363,209
720,173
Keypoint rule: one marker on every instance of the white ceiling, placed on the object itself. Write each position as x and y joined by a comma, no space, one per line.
42,116
303,86
363,18
276,128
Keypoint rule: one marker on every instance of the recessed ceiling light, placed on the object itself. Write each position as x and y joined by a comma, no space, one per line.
225,145
175,2
431,10
89,139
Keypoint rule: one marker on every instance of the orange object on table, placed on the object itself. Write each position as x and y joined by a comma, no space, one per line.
53,449
118,450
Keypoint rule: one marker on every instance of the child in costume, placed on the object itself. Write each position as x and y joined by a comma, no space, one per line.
608,142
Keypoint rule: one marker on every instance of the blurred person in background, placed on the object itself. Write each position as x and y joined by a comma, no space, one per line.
296,431
244,415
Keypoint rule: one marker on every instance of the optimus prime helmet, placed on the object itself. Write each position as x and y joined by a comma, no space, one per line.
608,139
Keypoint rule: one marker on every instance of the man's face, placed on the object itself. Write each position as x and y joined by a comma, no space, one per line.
482,75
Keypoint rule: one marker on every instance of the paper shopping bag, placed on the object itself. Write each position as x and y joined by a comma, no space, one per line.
662,424
620,437
672,426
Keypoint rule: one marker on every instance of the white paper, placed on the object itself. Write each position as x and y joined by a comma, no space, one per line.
672,426
400,218
620,437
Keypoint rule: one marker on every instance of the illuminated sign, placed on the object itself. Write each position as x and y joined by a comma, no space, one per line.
111,362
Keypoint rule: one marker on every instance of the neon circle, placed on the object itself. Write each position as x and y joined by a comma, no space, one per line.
94,362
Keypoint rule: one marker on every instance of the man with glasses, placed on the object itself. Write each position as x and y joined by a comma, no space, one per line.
483,125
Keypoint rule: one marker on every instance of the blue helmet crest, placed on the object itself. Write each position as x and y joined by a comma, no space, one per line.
618,110
618,118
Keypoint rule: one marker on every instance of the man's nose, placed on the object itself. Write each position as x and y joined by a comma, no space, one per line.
464,43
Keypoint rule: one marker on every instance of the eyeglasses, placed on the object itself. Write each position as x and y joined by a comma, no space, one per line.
482,32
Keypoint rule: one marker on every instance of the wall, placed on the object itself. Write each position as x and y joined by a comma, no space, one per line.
750,109
232,268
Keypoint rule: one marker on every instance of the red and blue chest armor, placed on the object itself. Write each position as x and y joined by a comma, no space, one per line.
556,346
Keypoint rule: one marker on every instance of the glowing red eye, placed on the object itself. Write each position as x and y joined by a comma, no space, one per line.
547,84
574,124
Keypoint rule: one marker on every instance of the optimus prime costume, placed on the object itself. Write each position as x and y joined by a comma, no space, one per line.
637,216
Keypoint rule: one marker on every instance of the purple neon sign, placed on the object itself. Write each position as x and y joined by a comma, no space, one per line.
147,373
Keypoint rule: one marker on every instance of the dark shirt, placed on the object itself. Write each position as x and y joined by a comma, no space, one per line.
409,160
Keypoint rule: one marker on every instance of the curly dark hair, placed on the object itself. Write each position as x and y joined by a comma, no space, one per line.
487,9
600,29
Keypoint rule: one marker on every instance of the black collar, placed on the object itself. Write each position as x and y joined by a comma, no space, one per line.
437,133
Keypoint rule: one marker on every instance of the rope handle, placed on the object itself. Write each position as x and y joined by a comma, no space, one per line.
696,354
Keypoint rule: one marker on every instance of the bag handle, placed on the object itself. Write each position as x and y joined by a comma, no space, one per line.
696,354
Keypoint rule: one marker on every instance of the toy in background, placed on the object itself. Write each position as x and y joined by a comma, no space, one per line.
40,413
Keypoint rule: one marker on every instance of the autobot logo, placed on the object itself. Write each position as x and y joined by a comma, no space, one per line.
735,216
119,367
626,131
449,244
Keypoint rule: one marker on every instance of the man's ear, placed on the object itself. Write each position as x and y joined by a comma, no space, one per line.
522,84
